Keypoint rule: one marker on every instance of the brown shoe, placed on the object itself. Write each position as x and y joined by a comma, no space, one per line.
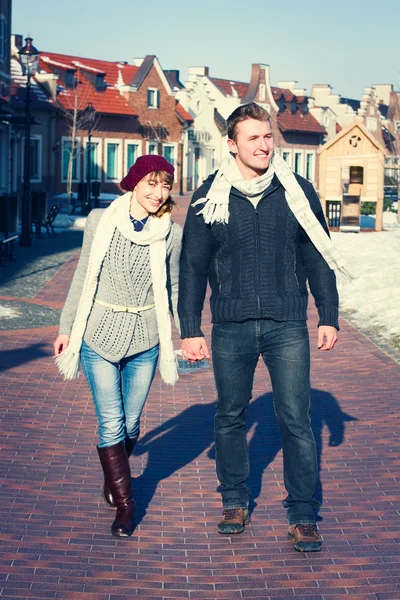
233,520
305,537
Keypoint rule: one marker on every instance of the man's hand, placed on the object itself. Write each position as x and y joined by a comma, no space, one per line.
327,337
194,349
61,343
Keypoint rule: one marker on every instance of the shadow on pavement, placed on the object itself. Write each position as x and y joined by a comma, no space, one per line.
181,439
9,359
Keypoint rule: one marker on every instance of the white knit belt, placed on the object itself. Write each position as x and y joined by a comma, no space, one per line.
127,309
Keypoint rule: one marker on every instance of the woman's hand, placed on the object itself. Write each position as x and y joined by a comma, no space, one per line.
61,343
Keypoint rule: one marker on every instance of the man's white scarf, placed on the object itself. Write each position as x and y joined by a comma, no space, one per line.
154,235
216,204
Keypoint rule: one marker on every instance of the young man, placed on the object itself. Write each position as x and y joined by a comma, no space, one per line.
257,233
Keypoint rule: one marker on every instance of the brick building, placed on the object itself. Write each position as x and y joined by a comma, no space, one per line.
136,112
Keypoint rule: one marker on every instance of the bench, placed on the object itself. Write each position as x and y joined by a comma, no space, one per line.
47,223
7,247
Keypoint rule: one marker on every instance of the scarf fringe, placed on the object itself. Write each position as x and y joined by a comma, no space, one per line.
213,212
68,363
169,370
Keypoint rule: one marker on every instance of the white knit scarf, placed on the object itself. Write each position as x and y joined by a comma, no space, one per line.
216,204
154,235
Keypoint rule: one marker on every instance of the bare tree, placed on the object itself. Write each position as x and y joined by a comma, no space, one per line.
73,104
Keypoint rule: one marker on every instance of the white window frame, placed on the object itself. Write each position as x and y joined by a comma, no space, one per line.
66,138
262,91
118,142
138,145
173,145
287,151
151,143
312,154
34,136
157,98
93,140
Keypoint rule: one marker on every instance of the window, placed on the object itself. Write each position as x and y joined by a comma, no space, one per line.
35,158
310,166
66,152
262,92
151,148
132,152
3,37
153,98
70,79
371,123
94,152
169,153
100,83
113,160
286,156
297,163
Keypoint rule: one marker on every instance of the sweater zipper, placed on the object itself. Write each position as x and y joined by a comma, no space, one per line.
257,222
217,274
294,268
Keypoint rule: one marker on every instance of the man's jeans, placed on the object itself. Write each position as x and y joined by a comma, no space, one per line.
285,349
119,391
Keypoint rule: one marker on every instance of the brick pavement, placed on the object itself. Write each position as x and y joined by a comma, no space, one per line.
54,536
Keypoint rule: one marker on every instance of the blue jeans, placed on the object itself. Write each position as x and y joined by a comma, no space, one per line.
285,349
119,391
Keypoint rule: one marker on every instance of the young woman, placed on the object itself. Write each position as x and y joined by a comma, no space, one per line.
116,321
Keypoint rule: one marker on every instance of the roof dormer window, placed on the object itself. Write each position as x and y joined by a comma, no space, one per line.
100,83
70,79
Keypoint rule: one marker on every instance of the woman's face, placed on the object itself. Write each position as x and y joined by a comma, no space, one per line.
152,193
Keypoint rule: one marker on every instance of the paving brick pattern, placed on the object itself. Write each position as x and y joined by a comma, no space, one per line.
54,535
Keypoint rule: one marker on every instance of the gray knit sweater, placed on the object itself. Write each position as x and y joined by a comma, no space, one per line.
125,279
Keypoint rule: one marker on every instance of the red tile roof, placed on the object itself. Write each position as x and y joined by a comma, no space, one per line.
111,69
228,87
108,101
183,113
300,122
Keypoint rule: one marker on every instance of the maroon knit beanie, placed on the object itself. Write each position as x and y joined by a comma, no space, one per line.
143,166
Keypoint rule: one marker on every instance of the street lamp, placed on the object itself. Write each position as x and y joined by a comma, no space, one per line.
90,113
182,145
29,57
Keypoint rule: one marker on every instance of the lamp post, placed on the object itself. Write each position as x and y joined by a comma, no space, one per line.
182,145
90,113
29,57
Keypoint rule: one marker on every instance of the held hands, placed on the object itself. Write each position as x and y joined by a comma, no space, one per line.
194,349
61,343
327,337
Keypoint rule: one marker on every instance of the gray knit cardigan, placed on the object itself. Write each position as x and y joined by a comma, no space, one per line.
125,279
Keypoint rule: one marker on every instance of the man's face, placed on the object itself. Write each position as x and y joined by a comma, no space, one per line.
253,147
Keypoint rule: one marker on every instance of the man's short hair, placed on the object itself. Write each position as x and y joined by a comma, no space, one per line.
252,110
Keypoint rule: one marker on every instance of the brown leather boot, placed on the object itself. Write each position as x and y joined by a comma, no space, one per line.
115,463
305,537
130,444
233,520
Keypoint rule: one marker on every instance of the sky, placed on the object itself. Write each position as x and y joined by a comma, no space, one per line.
349,44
